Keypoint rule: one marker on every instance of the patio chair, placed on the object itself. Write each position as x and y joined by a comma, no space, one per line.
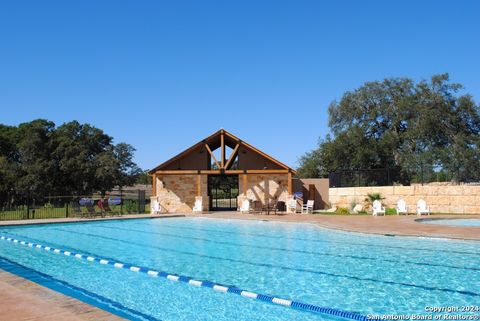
271,208
377,208
256,208
198,207
402,207
308,207
422,207
245,206
155,207
292,205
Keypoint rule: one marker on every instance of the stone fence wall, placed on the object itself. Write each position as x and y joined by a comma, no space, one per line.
459,199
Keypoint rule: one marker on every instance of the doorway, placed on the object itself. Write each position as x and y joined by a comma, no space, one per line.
223,192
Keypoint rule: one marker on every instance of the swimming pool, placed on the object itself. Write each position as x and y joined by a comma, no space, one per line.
341,271
454,222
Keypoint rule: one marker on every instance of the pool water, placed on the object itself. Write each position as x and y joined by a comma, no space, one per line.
302,262
454,222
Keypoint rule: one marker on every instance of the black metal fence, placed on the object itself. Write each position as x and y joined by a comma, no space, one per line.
71,206
388,177
364,177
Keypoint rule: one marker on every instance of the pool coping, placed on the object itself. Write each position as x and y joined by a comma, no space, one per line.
84,220
390,225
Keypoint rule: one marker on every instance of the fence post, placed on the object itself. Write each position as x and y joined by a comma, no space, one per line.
28,211
66,209
121,201
141,201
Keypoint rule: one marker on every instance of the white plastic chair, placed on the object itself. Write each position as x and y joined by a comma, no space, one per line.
292,205
155,207
378,209
422,207
402,207
197,208
245,207
308,208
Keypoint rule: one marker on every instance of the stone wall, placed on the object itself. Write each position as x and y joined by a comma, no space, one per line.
176,193
266,188
459,199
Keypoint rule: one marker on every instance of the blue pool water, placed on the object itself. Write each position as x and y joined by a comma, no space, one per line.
346,271
455,222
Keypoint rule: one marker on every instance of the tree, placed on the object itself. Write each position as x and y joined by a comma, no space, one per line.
36,168
144,178
410,128
84,159
127,170
38,159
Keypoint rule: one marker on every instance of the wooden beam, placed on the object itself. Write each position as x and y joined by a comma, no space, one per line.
289,183
222,146
199,185
257,171
232,156
245,184
154,185
216,172
213,156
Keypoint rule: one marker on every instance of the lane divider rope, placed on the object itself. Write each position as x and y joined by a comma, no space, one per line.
198,283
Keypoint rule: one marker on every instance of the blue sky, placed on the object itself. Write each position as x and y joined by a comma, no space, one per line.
163,75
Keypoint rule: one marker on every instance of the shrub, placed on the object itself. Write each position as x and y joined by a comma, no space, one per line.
374,197
342,211
390,211
370,199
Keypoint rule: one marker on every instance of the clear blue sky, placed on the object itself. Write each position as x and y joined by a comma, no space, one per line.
162,75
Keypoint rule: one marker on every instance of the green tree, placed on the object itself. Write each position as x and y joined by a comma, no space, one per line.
144,178
36,168
127,170
38,159
410,128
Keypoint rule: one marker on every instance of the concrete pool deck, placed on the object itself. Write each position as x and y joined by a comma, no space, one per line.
398,225
24,300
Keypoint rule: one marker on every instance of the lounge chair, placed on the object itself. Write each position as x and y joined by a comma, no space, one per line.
402,207
90,210
377,208
308,207
422,207
107,210
198,207
245,207
77,211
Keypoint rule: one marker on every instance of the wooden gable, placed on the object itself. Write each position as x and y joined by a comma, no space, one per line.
243,157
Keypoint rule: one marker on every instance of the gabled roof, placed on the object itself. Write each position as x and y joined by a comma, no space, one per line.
214,141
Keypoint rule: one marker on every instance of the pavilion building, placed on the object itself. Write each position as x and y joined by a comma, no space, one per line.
220,171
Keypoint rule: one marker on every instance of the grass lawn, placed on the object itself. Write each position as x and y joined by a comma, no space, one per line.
59,212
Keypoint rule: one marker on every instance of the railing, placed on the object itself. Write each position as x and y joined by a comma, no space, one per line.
70,209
